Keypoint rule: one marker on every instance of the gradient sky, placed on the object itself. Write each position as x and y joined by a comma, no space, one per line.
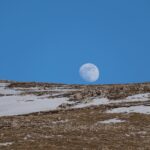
48,40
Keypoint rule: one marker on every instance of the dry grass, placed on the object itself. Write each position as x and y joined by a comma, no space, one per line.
79,129
75,129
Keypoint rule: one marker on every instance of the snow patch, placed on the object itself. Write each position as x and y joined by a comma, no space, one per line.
6,143
4,84
105,101
17,105
12,103
60,121
139,96
94,102
132,109
4,90
109,121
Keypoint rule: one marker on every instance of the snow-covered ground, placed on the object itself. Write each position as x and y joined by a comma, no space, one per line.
105,101
6,143
114,120
94,102
17,105
7,91
13,103
132,109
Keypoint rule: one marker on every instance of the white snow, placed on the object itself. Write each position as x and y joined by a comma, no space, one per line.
6,143
17,105
134,98
27,137
94,102
139,96
132,109
105,101
12,103
60,121
4,84
4,90
114,120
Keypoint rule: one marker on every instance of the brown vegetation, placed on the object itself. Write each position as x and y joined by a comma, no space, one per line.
79,129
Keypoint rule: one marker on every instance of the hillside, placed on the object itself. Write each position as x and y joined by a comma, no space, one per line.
73,117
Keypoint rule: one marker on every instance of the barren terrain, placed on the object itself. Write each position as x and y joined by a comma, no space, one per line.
46,116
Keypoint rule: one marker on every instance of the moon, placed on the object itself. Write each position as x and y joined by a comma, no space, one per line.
89,72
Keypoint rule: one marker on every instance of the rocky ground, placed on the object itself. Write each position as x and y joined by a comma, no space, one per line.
92,117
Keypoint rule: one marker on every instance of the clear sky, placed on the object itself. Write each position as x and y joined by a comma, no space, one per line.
48,40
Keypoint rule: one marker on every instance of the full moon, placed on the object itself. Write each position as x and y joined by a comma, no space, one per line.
89,72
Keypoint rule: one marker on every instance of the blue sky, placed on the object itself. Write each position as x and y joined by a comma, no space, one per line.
48,40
